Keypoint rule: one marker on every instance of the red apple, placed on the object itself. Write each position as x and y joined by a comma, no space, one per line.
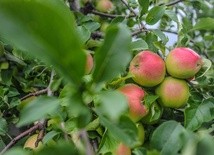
135,96
173,93
183,63
89,63
147,68
122,149
104,5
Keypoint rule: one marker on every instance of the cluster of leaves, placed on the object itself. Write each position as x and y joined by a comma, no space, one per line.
42,54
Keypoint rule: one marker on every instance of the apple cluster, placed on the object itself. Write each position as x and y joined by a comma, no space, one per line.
168,78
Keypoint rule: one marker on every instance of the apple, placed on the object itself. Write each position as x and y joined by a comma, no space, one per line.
173,93
89,63
147,69
135,96
141,134
31,142
104,5
183,63
122,149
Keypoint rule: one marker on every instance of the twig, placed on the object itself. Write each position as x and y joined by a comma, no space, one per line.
49,91
62,125
74,5
173,3
139,31
109,15
41,133
43,91
127,5
84,136
22,135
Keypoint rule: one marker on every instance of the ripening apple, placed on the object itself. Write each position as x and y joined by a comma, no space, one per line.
141,134
183,63
89,63
104,5
31,142
173,93
122,149
147,69
135,96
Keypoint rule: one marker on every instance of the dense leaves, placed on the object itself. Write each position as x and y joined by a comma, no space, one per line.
44,87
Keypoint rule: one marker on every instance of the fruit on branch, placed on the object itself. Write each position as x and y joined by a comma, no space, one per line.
173,93
141,134
31,142
147,68
89,63
104,5
135,96
183,63
122,149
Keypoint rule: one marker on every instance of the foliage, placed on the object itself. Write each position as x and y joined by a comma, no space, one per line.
44,89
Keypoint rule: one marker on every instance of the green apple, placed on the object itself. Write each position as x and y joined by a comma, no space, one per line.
31,142
104,5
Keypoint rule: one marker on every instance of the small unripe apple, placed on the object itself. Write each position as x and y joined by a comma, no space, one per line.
89,63
122,149
173,93
183,63
141,134
135,96
147,68
31,142
104,5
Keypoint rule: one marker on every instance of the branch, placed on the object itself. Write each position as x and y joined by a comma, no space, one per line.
127,5
84,136
109,15
22,135
39,92
175,2
49,91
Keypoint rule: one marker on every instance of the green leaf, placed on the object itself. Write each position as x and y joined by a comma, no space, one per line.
38,109
49,136
124,130
207,64
63,148
46,30
16,151
2,144
161,35
167,135
111,104
84,33
116,47
3,126
144,4
204,24
108,143
195,116
155,14
172,15
138,45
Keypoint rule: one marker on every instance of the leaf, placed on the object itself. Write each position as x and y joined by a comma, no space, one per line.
124,130
111,104
161,35
195,116
138,45
30,27
84,33
144,4
155,14
62,147
49,136
116,47
204,24
207,64
3,126
108,143
167,135
16,151
38,109
150,99
172,15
